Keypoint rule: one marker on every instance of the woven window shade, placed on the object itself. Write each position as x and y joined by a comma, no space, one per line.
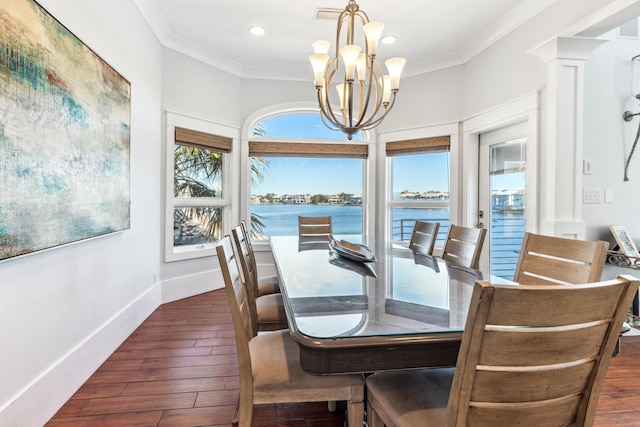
297,149
198,139
436,144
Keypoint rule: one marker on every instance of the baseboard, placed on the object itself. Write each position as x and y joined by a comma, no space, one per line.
41,399
188,286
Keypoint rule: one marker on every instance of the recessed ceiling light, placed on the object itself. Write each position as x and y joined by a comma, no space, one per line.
257,31
389,39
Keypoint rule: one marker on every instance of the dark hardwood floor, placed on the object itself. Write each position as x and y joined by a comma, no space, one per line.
179,369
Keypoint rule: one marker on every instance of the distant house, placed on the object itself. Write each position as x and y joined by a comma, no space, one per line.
255,200
409,194
296,199
508,200
356,199
333,199
434,195
277,199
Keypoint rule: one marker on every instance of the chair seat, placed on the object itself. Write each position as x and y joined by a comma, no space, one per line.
412,398
268,285
276,365
270,312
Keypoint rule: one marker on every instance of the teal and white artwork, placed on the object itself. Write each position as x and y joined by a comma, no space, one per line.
64,136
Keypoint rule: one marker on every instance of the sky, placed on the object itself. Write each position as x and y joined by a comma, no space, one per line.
288,175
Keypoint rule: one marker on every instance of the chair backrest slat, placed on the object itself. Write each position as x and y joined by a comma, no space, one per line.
463,245
315,228
236,291
249,275
545,260
537,355
423,238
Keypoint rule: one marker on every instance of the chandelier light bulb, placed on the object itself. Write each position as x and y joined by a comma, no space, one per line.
321,46
319,63
350,55
373,31
343,95
395,66
385,82
361,66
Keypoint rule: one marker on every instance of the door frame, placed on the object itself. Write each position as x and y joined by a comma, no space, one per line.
525,108
489,139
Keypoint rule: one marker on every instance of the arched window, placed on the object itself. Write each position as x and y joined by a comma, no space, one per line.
299,167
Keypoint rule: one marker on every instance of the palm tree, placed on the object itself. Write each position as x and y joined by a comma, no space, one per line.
198,173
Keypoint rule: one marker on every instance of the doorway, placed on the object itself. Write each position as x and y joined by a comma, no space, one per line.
501,195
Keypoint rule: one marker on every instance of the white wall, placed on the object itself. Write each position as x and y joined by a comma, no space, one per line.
195,90
63,311
608,138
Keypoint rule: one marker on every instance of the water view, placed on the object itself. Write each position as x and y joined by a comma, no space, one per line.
507,228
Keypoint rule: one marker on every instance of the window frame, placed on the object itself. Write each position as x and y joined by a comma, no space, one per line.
407,139
412,203
369,179
178,253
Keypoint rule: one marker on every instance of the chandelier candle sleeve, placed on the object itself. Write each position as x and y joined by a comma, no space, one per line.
365,96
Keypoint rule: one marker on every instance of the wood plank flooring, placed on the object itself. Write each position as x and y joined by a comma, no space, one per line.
179,369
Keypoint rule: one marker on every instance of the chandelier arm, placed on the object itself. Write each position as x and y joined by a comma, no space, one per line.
373,83
379,120
323,112
327,114
328,110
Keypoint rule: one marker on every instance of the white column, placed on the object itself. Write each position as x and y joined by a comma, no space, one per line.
560,165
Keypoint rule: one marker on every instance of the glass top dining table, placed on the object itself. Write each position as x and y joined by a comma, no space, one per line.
401,311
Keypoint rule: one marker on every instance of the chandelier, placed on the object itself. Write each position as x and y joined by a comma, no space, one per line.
364,102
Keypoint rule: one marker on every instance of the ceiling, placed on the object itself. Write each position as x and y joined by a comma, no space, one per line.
431,34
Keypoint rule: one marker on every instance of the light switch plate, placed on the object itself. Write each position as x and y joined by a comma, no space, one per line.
608,195
592,195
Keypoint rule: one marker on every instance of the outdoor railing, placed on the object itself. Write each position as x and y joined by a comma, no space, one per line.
507,232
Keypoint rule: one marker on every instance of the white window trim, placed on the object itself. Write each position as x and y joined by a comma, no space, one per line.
173,120
384,168
369,182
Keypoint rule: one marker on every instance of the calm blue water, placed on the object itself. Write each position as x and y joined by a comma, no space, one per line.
507,230
282,220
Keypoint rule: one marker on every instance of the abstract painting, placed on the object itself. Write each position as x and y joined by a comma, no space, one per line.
64,136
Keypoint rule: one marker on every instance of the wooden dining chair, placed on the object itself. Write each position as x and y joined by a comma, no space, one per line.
266,284
530,356
269,365
463,246
423,237
547,260
267,311
314,228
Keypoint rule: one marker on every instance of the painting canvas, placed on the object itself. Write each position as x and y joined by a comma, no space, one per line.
64,136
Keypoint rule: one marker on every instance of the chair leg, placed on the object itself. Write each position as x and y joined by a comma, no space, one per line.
236,413
355,413
616,349
373,419
243,413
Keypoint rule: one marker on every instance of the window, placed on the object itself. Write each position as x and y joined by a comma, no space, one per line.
293,177
420,185
196,192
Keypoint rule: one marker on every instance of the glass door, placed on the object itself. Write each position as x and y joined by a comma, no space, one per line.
502,197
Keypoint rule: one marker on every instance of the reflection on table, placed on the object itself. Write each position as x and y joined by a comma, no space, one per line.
402,311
